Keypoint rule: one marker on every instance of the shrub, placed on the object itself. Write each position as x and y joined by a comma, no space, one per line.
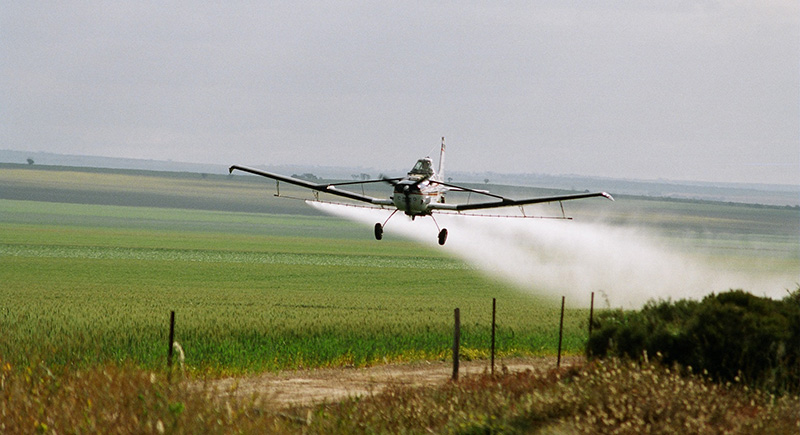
733,336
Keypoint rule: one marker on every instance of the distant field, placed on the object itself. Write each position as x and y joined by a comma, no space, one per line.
93,261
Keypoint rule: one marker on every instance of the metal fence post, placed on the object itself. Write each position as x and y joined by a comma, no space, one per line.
560,333
171,338
456,340
494,312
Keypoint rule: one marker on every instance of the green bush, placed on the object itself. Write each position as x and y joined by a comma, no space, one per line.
733,336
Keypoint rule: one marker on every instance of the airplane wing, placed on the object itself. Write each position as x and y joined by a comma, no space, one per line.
327,188
506,202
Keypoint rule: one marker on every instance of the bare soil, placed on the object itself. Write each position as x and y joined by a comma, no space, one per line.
306,387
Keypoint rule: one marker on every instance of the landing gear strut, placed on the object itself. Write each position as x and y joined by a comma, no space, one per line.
379,229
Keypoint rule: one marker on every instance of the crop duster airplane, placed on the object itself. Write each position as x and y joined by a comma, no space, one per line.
420,193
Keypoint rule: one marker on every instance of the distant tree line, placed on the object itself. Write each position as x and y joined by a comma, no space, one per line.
306,176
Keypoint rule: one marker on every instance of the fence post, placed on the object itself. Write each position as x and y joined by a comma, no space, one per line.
560,333
494,312
171,338
456,340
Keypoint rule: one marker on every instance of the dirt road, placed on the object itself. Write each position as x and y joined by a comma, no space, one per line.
305,387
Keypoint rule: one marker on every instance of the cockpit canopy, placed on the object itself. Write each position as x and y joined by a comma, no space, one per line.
423,167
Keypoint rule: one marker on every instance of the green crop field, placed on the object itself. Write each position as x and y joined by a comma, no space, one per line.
92,262
86,284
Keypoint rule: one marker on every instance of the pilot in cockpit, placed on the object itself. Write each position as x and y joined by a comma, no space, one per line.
423,167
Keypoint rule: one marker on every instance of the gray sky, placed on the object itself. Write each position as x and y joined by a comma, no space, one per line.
681,90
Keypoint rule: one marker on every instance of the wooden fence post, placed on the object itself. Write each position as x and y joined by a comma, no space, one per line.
456,340
560,333
494,312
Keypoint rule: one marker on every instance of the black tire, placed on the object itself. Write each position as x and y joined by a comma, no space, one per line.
442,236
378,231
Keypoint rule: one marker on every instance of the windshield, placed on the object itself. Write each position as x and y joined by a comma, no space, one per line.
423,167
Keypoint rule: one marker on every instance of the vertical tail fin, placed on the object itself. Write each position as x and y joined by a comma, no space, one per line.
441,162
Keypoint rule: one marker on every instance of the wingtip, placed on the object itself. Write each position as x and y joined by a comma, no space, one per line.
230,170
607,195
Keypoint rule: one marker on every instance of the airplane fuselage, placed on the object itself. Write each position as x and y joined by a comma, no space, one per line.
414,199
421,188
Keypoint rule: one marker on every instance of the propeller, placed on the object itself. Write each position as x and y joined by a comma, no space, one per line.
408,186
396,181
392,181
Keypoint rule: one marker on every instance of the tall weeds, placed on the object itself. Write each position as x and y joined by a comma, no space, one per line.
603,397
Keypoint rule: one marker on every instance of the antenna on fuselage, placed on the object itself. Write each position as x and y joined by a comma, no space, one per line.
440,172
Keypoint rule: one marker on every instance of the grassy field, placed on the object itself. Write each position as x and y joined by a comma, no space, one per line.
87,284
94,260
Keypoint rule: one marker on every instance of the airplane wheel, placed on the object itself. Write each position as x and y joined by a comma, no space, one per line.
442,236
378,231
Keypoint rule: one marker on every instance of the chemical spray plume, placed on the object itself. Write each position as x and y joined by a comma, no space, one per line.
568,258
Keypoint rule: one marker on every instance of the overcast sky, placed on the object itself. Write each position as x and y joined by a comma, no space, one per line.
680,90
